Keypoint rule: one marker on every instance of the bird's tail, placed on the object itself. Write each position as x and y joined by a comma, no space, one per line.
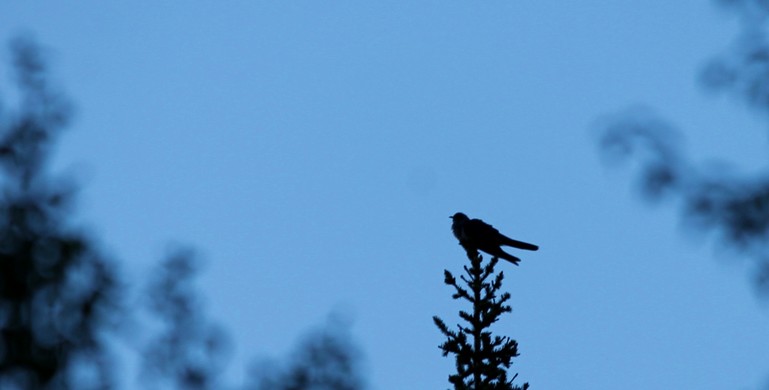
504,255
518,244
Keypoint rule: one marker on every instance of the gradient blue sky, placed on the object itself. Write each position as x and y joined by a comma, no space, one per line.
313,151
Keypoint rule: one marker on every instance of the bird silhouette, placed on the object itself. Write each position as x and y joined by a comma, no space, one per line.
474,235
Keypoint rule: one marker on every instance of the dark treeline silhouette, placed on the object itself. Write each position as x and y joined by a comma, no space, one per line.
734,205
62,300
189,352
482,359
58,292
324,360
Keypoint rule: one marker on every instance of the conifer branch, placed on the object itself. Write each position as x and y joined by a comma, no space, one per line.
482,359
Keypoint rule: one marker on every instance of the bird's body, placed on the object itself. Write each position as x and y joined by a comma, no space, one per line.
475,235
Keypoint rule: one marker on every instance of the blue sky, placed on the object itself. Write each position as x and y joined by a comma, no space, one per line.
313,151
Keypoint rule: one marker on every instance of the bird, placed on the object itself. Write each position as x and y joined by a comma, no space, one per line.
474,235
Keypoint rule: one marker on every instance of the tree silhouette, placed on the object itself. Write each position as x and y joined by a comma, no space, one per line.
188,352
61,297
325,360
58,293
733,205
482,360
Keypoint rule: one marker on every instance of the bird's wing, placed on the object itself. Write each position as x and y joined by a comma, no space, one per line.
483,233
476,229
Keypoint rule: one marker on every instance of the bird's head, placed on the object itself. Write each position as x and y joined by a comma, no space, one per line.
459,217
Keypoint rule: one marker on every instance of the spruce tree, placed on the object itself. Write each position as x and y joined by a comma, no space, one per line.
482,359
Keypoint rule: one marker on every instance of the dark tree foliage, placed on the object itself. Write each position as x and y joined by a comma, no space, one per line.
325,360
188,352
733,205
61,297
58,293
482,360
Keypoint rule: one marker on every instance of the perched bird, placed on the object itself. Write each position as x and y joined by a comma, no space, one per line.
474,235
